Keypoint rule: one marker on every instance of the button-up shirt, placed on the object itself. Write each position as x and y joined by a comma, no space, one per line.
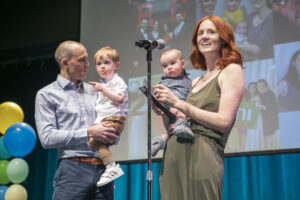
106,107
63,112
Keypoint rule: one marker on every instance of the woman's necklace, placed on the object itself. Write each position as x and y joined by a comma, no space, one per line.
206,76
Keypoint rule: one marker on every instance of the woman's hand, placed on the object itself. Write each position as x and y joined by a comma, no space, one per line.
156,109
165,95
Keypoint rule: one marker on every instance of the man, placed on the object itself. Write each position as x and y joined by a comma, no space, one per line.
179,25
65,115
143,30
207,7
182,30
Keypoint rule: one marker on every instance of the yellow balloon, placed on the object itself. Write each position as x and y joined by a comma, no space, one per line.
10,113
15,192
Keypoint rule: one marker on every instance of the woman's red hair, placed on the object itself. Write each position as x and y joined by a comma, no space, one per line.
229,52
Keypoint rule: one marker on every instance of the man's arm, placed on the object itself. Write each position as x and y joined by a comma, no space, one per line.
52,137
46,124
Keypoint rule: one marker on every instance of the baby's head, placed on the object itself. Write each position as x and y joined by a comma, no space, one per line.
172,63
241,28
107,62
232,5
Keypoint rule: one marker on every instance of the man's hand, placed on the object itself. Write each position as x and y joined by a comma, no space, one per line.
102,132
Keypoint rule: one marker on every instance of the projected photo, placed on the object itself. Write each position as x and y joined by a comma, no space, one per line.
267,33
288,89
287,20
256,125
288,76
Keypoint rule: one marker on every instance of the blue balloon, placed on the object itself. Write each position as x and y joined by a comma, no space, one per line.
4,155
3,189
19,139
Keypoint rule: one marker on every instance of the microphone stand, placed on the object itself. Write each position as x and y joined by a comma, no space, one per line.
149,46
149,175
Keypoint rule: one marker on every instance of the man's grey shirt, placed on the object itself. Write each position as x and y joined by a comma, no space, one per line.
62,114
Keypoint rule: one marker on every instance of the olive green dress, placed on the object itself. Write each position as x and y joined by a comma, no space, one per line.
193,170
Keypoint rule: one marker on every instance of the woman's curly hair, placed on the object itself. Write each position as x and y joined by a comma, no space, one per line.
229,52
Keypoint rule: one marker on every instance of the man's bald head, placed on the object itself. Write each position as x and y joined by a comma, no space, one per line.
65,50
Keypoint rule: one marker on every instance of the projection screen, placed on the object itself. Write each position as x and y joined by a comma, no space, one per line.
266,32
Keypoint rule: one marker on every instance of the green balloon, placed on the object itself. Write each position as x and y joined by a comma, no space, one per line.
3,174
17,170
4,155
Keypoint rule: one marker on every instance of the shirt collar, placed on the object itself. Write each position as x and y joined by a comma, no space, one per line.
105,80
65,83
179,27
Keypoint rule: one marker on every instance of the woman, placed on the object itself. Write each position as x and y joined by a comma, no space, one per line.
167,35
269,111
155,34
289,86
255,135
260,32
194,169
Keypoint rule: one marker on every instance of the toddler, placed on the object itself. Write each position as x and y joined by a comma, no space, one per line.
111,107
240,32
233,14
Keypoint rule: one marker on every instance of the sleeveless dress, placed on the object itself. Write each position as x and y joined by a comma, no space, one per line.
193,170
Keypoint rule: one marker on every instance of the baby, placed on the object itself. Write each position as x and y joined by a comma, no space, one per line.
177,80
240,32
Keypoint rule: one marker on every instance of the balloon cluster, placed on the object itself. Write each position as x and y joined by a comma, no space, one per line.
18,140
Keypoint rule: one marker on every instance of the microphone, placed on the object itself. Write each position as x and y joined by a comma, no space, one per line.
150,45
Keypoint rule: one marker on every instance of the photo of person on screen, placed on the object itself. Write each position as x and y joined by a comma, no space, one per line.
233,14
260,32
292,11
167,35
144,29
255,135
240,35
206,7
269,111
155,33
182,30
240,32
288,88
287,20
187,171
240,130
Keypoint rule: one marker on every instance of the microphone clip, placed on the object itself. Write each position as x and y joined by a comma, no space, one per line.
150,45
